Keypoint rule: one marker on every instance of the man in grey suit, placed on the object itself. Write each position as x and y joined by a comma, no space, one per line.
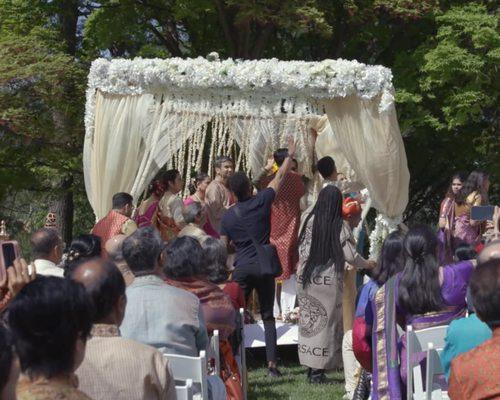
158,314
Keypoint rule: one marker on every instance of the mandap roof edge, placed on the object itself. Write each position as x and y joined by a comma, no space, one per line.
250,80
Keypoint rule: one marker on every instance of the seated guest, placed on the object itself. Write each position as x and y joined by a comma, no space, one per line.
158,314
198,189
82,248
9,365
184,269
423,295
462,335
489,252
46,249
50,319
118,219
391,261
215,257
464,252
193,215
114,367
475,374
114,249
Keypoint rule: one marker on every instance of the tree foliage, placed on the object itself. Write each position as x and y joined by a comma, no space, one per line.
444,56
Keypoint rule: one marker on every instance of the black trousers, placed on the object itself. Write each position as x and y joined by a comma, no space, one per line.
249,278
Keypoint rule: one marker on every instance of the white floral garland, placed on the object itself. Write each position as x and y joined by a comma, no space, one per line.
260,83
383,226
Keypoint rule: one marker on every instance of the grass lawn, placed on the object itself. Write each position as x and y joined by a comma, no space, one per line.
293,385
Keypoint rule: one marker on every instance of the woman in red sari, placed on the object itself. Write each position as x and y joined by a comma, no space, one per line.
285,213
147,209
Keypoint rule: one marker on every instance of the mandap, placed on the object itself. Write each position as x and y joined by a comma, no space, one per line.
144,114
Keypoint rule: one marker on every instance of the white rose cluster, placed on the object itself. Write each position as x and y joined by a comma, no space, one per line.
229,81
323,79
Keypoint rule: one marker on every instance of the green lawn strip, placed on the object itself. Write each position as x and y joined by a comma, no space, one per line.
293,385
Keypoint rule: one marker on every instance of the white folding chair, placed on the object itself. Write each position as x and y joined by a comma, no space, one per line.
214,351
416,342
433,390
185,392
193,368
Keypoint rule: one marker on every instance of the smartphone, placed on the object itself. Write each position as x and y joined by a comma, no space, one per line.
482,213
9,252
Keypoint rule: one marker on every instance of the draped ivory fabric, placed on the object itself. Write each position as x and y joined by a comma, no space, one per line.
113,155
373,147
328,145
135,135
142,114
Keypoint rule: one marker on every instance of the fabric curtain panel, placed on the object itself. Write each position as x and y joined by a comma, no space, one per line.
134,136
372,145
113,154
326,145
169,131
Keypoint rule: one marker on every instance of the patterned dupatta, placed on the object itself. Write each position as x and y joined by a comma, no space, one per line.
389,349
386,381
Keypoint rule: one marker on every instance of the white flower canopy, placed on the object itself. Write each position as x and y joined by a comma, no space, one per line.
142,114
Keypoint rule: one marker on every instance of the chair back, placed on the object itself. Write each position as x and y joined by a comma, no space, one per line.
185,392
214,351
194,368
417,342
433,389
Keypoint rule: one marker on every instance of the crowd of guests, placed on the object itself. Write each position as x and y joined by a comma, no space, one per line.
98,319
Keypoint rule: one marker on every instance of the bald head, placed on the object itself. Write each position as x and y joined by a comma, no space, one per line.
114,248
44,244
104,283
490,251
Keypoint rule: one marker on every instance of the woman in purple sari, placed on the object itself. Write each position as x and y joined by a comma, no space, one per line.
447,219
148,206
423,295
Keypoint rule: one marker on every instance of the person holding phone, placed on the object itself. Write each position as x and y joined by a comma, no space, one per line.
17,276
473,193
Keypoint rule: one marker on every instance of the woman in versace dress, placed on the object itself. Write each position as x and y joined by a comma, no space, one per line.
325,244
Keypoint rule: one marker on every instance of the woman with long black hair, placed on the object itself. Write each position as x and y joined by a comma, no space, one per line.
423,295
391,261
325,244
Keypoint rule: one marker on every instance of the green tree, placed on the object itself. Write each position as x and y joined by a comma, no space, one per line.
41,103
448,94
444,56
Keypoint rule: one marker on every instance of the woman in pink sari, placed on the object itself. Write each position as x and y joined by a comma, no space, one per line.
473,193
447,218
148,206
198,188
